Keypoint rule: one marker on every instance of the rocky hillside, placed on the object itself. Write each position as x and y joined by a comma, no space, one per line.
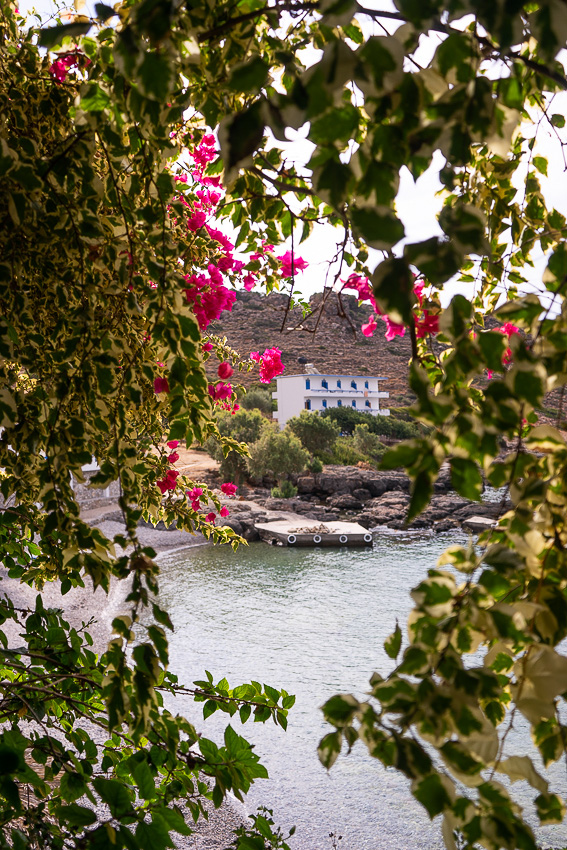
329,337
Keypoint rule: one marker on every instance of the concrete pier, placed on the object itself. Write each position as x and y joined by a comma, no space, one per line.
306,533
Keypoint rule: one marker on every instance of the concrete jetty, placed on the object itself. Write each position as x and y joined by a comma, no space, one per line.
305,533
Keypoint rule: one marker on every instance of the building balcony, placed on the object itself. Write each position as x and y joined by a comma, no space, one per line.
349,393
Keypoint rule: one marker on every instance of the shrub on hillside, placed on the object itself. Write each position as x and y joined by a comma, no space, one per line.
245,426
256,399
277,453
315,433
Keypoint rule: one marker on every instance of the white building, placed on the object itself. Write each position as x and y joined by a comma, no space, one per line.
317,392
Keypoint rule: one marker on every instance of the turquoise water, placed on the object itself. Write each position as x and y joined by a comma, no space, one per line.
312,621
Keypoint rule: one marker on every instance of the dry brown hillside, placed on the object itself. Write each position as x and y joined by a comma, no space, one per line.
332,341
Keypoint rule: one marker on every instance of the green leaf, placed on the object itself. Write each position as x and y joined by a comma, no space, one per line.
393,285
432,794
55,35
95,99
393,644
540,163
104,12
340,710
466,478
154,76
250,76
113,792
240,135
550,808
379,229
153,836
144,780
421,492
329,749
76,815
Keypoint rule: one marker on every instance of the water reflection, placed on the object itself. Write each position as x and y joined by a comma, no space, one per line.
312,621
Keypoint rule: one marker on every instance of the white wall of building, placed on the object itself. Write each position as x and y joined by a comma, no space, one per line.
319,392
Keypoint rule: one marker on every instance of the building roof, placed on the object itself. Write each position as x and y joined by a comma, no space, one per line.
327,375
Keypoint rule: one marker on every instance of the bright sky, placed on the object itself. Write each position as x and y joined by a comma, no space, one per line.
417,203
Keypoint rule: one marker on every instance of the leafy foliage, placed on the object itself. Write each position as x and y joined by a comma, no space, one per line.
104,300
277,454
347,419
258,400
315,433
244,427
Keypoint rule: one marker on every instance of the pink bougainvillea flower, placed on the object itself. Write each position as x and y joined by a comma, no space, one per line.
220,391
270,363
225,263
489,374
61,66
195,494
196,221
207,346
168,482
223,391
173,457
369,328
428,325
508,329
224,511
418,290
249,282
211,517
161,385
228,488
173,444
291,264
225,370
362,286
393,329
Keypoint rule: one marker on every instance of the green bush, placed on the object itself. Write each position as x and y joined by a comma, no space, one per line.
315,466
315,433
258,400
286,490
346,418
245,426
276,453
367,443
345,453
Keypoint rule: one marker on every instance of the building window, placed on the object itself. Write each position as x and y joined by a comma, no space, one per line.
308,404
325,384
339,403
325,403
353,385
307,383
367,404
339,385
366,385
354,402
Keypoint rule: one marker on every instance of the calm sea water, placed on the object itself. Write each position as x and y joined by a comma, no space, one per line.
312,621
